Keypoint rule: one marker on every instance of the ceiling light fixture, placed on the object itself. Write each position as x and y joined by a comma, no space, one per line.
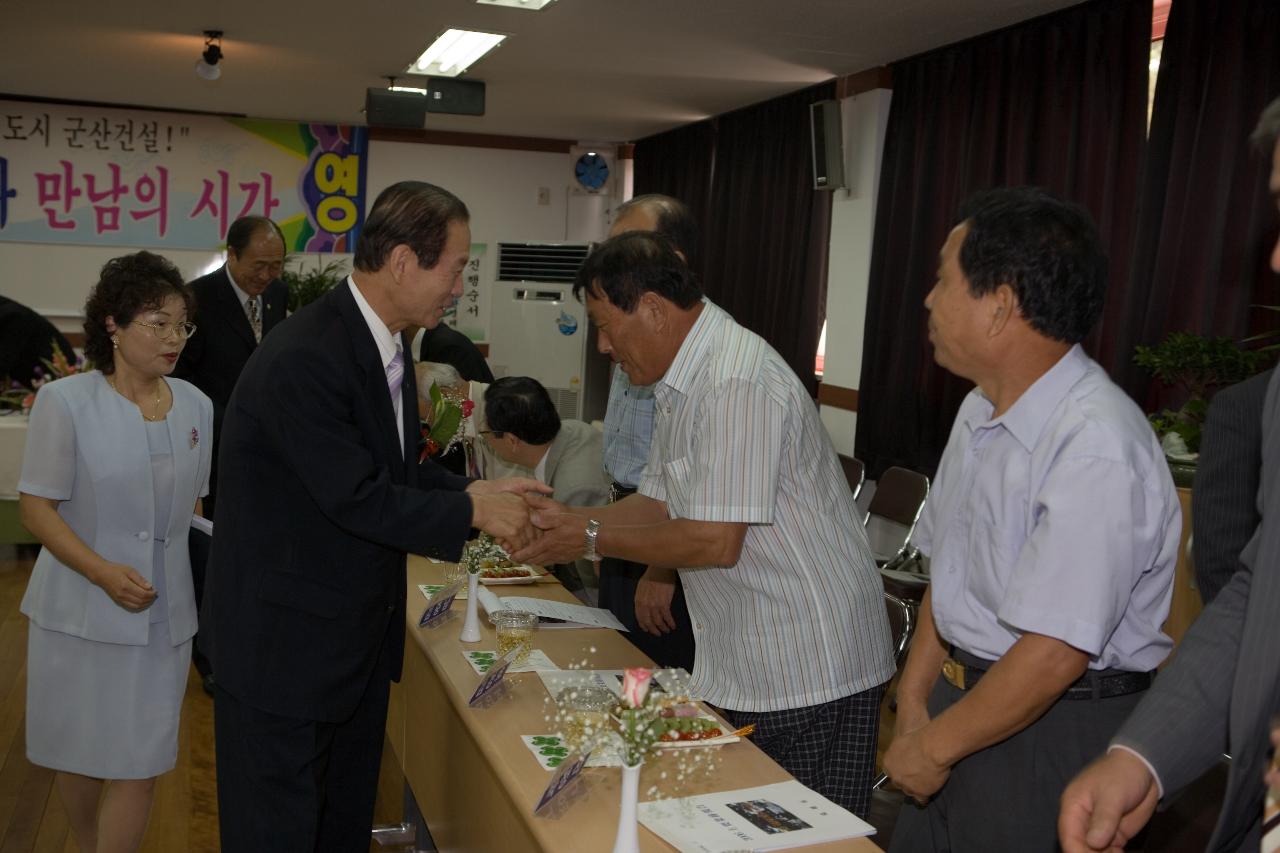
207,65
453,52
531,5
394,87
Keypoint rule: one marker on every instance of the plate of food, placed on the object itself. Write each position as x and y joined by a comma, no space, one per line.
506,572
495,565
683,730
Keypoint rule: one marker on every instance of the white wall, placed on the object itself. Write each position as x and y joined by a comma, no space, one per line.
853,212
499,186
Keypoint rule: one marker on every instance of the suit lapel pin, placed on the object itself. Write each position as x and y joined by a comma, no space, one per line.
195,437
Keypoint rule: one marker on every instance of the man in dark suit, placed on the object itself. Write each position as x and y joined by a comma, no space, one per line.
304,616
1224,509
235,307
1222,689
447,345
27,340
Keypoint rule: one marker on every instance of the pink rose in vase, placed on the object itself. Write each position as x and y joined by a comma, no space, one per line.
635,686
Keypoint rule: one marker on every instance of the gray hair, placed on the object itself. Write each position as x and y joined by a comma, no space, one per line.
1268,130
444,375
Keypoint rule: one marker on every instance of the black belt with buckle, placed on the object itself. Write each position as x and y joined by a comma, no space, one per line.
617,491
961,672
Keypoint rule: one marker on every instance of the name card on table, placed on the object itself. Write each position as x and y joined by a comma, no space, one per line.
493,677
570,769
439,603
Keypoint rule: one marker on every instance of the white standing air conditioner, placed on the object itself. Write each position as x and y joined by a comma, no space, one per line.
538,329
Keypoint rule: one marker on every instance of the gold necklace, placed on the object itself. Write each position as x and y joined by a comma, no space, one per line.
153,418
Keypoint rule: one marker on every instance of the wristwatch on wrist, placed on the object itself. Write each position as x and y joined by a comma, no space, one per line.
592,531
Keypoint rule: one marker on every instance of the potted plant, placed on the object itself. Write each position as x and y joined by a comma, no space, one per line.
306,286
1195,365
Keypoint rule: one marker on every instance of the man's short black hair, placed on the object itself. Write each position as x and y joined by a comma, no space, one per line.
1046,249
245,229
521,406
672,218
623,267
411,213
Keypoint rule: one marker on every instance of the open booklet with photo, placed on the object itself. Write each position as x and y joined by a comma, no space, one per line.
771,817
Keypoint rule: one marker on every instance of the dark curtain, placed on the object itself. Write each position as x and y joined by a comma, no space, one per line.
680,163
1060,102
764,229
1206,220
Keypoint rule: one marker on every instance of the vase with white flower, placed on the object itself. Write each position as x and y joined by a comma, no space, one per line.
639,728
473,557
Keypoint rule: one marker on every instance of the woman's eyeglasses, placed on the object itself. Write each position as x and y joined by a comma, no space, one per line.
165,331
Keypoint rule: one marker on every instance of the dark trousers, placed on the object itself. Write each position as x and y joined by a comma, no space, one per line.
1005,797
618,581
198,547
830,748
289,785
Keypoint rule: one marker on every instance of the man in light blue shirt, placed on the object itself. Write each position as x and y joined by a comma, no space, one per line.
1053,532
654,610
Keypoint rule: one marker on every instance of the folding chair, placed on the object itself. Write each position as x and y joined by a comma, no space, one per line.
855,472
895,508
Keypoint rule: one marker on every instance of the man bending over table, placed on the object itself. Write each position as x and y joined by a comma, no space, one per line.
743,494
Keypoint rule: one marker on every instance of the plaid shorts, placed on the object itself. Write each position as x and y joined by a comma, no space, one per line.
830,748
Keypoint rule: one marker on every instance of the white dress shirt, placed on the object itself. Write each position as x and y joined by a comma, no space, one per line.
388,344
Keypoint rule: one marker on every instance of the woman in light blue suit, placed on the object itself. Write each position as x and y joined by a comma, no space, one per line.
116,462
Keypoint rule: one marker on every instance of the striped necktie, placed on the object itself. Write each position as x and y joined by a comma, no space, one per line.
255,317
395,374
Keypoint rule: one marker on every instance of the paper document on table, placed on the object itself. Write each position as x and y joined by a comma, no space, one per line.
552,614
771,817
204,525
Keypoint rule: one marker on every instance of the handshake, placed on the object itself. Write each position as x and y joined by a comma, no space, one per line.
530,526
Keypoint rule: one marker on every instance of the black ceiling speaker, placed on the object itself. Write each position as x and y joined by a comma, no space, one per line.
452,96
385,108
825,145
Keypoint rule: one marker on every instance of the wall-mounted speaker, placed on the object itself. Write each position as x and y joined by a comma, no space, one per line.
385,108
455,97
825,145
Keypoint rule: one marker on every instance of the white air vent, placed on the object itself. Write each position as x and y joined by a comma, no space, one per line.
566,402
550,262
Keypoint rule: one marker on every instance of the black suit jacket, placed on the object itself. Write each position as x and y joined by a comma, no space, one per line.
1224,508
447,345
26,341
213,359
299,612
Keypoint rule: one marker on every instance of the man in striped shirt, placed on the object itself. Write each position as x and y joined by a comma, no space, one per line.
743,493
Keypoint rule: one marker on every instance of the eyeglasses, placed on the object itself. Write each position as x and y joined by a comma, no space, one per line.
496,433
164,331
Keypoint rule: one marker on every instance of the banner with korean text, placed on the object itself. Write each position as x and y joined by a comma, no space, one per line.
98,176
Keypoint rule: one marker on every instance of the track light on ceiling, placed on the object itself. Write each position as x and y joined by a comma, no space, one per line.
207,65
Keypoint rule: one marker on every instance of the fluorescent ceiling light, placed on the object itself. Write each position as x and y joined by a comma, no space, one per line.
453,52
531,5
